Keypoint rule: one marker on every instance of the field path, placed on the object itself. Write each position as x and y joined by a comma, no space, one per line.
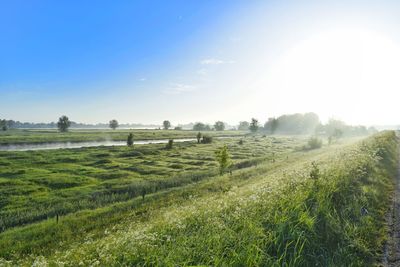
392,248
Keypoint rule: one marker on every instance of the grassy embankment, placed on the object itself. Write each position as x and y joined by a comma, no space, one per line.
36,185
288,212
18,136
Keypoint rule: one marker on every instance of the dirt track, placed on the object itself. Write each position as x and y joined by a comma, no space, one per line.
391,255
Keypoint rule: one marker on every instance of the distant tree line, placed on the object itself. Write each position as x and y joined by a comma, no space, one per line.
292,124
199,126
307,123
336,129
218,126
30,125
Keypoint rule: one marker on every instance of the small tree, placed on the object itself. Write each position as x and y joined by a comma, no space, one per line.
207,139
313,143
243,126
199,126
198,137
63,123
166,124
129,142
4,125
271,125
253,125
274,125
170,144
219,126
223,158
113,124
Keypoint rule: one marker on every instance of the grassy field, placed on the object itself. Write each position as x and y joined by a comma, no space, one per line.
280,206
35,185
29,136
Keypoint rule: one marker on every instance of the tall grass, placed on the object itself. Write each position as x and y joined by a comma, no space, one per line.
38,185
327,213
28,136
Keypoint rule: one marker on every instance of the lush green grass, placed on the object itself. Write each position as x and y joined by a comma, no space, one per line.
18,136
35,185
285,211
289,218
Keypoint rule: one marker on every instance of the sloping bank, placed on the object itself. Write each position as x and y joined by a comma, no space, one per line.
327,213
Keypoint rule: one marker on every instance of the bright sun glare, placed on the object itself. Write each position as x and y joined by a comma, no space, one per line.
351,74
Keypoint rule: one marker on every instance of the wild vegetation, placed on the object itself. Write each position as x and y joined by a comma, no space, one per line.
17,136
63,123
113,124
64,181
146,205
3,125
313,143
166,124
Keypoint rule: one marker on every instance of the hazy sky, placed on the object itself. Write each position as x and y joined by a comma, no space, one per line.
186,61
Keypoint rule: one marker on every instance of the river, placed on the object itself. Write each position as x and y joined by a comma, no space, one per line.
58,145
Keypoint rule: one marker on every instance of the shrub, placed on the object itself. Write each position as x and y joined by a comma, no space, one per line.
207,139
4,125
198,136
129,142
335,136
253,125
313,143
223,158
170,144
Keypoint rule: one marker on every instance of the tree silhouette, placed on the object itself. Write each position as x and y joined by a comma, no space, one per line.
166,124
219,126
223,158
113,124
63,123
129,142
243,126
253,125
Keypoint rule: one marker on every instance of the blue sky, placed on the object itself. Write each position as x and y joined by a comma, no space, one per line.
146,61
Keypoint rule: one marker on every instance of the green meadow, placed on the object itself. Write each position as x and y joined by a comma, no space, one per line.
278,204
30,136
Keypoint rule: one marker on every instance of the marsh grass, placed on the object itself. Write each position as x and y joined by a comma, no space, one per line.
36,185
28,136
299,221
282,213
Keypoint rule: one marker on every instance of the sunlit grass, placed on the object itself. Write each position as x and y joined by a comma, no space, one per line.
18,136
268,212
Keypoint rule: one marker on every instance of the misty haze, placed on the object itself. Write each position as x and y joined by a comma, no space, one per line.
199,133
